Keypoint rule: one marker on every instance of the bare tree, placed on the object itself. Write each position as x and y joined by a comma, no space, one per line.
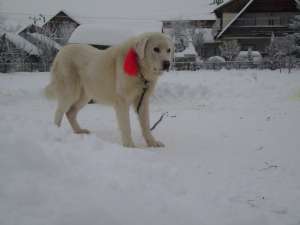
198,41
180,35
230,49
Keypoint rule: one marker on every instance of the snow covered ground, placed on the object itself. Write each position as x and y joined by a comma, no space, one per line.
231,157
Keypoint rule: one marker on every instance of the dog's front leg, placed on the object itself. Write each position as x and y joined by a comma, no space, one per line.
143,115
122,112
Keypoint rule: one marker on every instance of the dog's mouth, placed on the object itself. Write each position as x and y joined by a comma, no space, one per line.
160,71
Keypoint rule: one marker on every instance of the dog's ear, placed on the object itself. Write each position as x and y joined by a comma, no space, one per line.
140,47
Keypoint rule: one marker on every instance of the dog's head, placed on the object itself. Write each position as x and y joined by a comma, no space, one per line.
155,52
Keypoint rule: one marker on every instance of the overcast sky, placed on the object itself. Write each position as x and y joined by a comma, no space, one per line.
111,8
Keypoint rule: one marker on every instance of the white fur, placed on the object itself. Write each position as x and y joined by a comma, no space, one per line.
81,73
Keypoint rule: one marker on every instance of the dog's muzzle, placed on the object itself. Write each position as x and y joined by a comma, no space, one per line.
166,65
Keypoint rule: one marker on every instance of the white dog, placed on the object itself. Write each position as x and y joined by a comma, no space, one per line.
120,76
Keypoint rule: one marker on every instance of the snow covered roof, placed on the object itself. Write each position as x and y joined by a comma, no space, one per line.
204,11
25,26
207,15
190,50
223,4
21,43
44,39
113,33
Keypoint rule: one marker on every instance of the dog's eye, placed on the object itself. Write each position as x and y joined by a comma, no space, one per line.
156,49
168,50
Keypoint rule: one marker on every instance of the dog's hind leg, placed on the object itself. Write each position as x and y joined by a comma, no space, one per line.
62,107
73,111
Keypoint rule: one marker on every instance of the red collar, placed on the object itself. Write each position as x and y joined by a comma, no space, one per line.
130,65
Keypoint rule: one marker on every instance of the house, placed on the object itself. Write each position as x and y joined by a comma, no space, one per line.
48,48
15,51
253,22
49,35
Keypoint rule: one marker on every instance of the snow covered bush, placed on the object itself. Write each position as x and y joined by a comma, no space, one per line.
216,59
249,56
216,62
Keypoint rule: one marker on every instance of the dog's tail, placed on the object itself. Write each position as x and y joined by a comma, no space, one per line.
49,91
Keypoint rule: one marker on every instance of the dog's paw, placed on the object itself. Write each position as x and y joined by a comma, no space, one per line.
129,144
82,131
155,144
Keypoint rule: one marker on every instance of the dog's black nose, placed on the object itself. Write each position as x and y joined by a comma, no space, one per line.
166,65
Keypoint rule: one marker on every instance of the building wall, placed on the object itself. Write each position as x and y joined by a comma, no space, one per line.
227,17
171,24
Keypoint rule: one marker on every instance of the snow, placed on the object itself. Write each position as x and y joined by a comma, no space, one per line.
244,56
21,43
231,155
216,59
44,39
113,32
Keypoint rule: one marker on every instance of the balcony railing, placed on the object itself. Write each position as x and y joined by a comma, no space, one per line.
262,21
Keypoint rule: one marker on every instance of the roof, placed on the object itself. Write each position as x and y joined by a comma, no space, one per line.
235,18
112,34
46,40
193,16
24,27
21,43
223,4
203,12
70,15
